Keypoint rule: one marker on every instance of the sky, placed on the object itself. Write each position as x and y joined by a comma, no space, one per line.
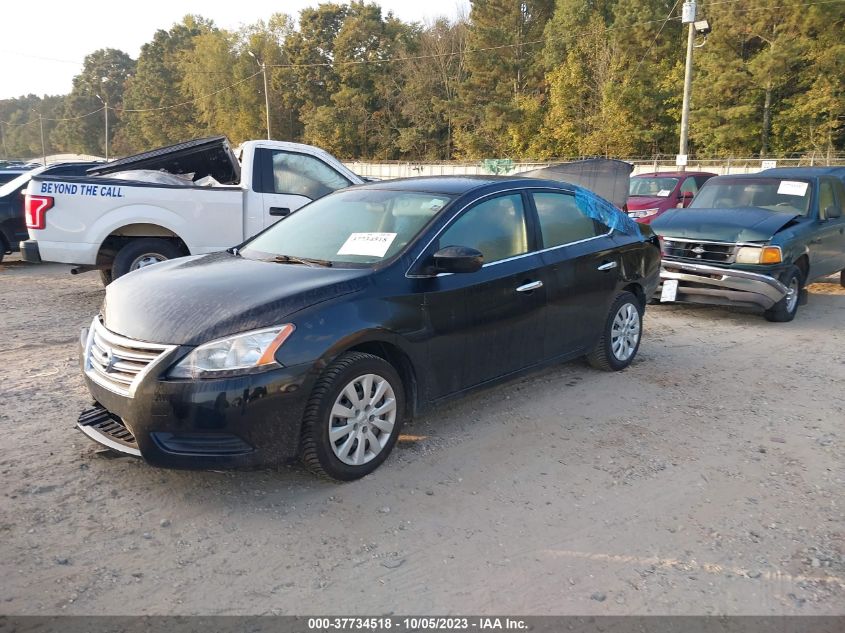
45,50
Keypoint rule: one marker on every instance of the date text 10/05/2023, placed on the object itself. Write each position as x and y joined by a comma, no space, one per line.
418,623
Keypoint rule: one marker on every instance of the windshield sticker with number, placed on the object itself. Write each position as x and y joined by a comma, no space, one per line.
792,188
367,244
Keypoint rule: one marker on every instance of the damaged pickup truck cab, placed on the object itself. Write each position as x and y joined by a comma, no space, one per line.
755,240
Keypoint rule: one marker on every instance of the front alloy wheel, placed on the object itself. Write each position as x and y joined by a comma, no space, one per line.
353,417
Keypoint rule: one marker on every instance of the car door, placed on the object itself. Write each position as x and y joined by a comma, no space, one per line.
829,242
581,272
488,323
289,180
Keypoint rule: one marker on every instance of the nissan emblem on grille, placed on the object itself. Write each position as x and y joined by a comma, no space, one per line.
116,362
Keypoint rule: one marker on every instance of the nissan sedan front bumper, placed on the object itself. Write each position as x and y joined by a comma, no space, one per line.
700,283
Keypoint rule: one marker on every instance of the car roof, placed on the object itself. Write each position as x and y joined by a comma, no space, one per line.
675,174
453,185
804,172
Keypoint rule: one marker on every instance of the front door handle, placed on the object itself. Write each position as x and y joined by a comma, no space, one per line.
530,286
608,266
282,211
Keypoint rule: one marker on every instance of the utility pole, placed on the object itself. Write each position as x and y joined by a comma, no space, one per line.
43,147
105,102
266,92
106,110
687,17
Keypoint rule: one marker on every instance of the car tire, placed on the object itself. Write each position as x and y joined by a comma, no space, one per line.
345,447
785,309
105,276
142,252
621,335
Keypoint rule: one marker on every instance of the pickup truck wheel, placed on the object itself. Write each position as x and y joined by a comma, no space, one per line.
142,252
784,310
620,339
353,417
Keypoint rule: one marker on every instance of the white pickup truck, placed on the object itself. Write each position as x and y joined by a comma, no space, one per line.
186,199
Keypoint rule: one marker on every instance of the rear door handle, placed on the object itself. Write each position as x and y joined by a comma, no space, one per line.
608,266
530,286
282,211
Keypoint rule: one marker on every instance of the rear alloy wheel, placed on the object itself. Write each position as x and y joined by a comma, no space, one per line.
621,336
353,417
140,253
785,309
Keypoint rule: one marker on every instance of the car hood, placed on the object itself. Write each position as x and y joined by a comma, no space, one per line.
744,224
193,300
637,203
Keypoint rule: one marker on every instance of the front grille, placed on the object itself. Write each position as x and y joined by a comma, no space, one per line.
116,362
699,251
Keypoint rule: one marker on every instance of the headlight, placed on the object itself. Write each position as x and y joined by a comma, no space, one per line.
245,353
642,213
759,255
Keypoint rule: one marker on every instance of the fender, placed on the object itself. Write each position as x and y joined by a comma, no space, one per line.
126,215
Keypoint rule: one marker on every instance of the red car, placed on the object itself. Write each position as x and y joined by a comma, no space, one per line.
654,193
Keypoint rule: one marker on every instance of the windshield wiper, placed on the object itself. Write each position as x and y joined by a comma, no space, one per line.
292,259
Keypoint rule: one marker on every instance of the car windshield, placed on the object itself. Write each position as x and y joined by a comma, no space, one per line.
356,226
774,194
660,187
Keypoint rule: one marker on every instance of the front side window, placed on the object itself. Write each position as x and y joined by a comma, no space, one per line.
363,226
495,227
826,198
561,220
689,186
303,175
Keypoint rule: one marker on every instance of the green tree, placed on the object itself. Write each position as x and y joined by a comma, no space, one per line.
103,78
157,85
504,76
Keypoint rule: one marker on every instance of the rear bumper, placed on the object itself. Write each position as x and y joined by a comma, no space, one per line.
30,252
63,252
699,283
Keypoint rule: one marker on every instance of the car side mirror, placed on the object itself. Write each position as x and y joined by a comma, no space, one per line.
832,212
686,195
458,259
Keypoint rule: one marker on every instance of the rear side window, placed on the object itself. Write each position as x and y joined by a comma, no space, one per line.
495,227
562,221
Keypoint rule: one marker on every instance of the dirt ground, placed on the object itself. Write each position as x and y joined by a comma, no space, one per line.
705,479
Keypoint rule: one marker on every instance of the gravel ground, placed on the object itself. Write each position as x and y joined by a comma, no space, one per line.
705,479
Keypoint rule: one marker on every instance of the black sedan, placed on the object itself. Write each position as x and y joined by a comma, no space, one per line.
320,336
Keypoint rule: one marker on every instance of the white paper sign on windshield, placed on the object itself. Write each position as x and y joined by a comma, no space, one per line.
664,193
792,188
369,244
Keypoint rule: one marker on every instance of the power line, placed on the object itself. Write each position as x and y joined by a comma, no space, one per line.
177,105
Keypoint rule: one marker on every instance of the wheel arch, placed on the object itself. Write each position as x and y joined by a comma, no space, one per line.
637,290
119,236
399,359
